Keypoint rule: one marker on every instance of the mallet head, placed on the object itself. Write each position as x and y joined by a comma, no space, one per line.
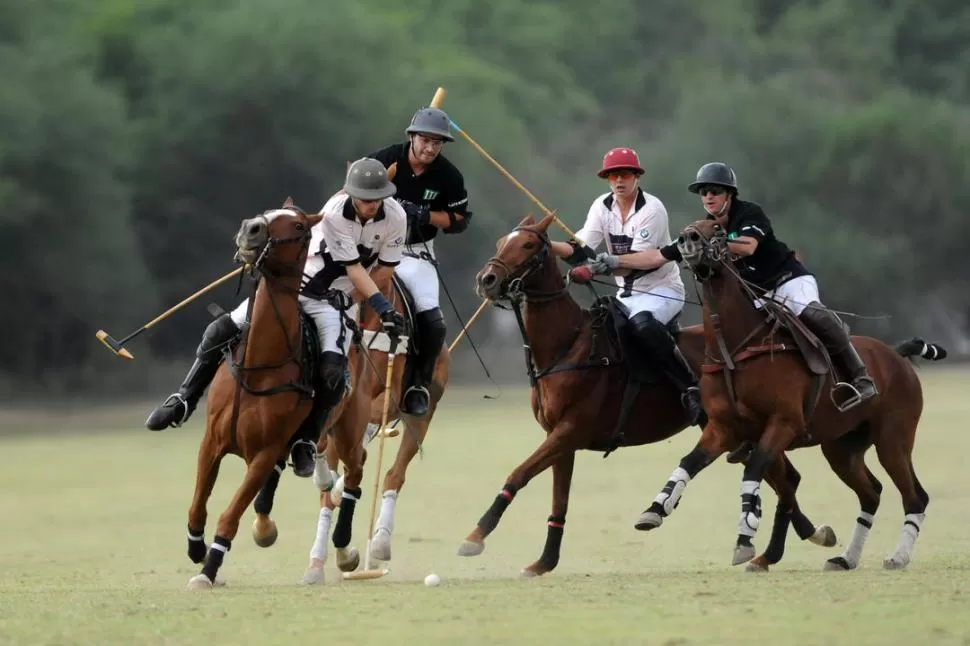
113,345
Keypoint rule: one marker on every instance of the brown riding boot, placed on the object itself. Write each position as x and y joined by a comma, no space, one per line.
834,334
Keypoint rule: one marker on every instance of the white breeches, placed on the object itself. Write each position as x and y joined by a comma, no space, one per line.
796,294
421,280
663,301
330,325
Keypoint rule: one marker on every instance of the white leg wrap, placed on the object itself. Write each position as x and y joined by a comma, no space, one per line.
860,534
670,495
386,518
750,520
912,524
319,549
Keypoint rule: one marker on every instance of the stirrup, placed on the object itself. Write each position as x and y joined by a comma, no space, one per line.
420,389
852,396
312,445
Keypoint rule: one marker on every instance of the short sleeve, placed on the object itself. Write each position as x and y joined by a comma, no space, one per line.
655,231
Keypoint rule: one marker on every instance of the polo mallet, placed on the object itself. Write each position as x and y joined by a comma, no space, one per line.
436,101
367,572
118,346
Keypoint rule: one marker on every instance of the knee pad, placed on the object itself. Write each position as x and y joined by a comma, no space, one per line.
220,331
332,366
432,319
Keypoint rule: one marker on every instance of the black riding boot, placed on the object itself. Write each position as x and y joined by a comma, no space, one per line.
329,388
660,345
431,337
175,410
834,334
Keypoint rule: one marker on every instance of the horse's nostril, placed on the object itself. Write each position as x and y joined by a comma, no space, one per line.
488,280
255,229
694,236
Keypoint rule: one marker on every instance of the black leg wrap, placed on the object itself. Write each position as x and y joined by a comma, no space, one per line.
213,560
264,499
757,464
489,520
804,527
196,545
779,531
345,519
694,461
550,552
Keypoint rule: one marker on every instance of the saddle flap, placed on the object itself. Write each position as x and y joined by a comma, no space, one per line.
410,311
810,346
623,341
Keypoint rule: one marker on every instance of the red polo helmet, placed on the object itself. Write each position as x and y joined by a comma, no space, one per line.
620,158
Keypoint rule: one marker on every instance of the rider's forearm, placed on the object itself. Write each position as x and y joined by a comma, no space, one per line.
361,280
646,259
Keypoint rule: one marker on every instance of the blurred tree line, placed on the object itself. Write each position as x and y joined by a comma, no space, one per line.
136,134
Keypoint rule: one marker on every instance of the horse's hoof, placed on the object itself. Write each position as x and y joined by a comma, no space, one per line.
380,546
824,535
755,566
742,554
895,562
470,548
313,576
323,477
348,558
265,532
648,520
838,564
534,570
199,582
337,492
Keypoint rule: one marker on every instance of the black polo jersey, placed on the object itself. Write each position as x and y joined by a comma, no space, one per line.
441,186
772,263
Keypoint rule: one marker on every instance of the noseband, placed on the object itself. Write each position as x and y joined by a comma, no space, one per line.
513,284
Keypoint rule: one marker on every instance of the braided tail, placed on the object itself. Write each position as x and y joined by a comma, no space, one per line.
917,347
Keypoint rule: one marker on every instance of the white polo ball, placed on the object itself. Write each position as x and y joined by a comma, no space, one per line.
432,580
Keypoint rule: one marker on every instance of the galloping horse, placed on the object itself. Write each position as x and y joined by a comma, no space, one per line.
763,381
351,424
580,393
261,394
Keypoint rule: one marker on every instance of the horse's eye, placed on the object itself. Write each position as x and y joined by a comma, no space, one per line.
299,226
529,245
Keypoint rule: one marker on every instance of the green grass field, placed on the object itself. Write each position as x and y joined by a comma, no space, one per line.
93,550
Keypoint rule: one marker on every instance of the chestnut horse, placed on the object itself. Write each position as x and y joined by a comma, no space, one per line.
261,394
578,390
757,386
352,423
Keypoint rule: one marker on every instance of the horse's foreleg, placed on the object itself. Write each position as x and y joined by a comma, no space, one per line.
414,433
562,476
351,452
541,459
712,445
256,473
265,531
778,434
318,552
210,456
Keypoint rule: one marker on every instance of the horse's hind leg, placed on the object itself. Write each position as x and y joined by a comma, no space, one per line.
562,476
258,469
210,456
265,531
894,447
783,478
318,552
846,456
351,452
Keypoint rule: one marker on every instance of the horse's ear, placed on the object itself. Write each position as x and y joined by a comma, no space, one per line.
314,219
527,221
288,203
546,221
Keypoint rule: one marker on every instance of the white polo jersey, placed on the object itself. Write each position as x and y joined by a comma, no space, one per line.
340,239
646,228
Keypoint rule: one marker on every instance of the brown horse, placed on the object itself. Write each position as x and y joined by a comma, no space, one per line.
350,425
578,391
260,396
759,386
369,396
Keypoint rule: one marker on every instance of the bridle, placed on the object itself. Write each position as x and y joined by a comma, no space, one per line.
514,287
